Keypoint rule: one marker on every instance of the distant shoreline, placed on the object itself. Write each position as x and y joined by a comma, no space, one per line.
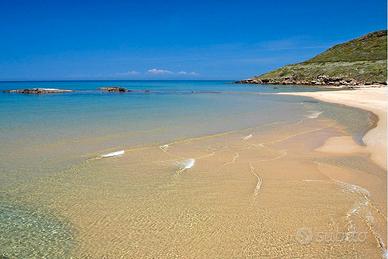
113,80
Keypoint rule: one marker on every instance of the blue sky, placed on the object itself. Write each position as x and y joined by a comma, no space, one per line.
70,40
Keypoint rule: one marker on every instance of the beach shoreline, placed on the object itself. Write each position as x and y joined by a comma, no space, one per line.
370,99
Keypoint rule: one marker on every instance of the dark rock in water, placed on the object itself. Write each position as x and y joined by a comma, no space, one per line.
114,89
38,91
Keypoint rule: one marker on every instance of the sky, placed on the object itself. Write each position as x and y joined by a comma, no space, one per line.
136,40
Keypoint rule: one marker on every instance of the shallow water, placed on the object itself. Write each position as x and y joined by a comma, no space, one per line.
28,233
209,168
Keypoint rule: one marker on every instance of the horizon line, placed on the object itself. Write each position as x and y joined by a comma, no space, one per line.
91,80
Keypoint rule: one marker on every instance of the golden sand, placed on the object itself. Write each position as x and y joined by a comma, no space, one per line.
259,192
371,99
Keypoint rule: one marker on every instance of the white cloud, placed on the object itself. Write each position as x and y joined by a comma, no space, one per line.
184,73
156,71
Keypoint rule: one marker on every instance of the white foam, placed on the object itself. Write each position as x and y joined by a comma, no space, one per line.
49,89
53,89
313,114
164,147
357,207
186,164
259,180
353,188
248,137
235,157
113,154
362,208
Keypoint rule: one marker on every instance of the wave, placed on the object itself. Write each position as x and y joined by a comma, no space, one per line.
186,164
362,210
314,114
352,188
164,147
248,137
113,154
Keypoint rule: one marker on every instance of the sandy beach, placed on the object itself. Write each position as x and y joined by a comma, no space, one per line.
136,129
262,191
271,176
370,99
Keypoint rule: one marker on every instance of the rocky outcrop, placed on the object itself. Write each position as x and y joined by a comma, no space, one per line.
38,91
119,89
114,89
318,81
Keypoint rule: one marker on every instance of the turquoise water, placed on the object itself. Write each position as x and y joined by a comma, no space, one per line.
44,135
41,134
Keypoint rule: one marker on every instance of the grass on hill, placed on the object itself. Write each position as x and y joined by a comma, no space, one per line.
362,59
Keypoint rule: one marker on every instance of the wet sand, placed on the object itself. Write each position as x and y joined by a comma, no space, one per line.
370,99
258,192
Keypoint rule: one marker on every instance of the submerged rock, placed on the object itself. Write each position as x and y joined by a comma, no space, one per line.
114,89
38,91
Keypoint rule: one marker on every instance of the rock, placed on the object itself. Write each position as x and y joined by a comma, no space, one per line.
321,80
249,81
38,91
114,89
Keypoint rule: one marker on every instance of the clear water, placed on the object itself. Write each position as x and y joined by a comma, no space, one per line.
47,132
40,134
28,233
43,135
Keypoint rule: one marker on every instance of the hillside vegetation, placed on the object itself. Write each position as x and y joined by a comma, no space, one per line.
362,61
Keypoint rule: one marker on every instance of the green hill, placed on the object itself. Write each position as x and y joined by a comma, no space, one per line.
362,61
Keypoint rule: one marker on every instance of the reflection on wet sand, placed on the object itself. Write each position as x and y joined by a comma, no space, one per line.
269,195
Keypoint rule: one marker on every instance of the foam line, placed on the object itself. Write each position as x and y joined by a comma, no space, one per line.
259,180
235,157
164,148
314,114
248,137
113,154
186,164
